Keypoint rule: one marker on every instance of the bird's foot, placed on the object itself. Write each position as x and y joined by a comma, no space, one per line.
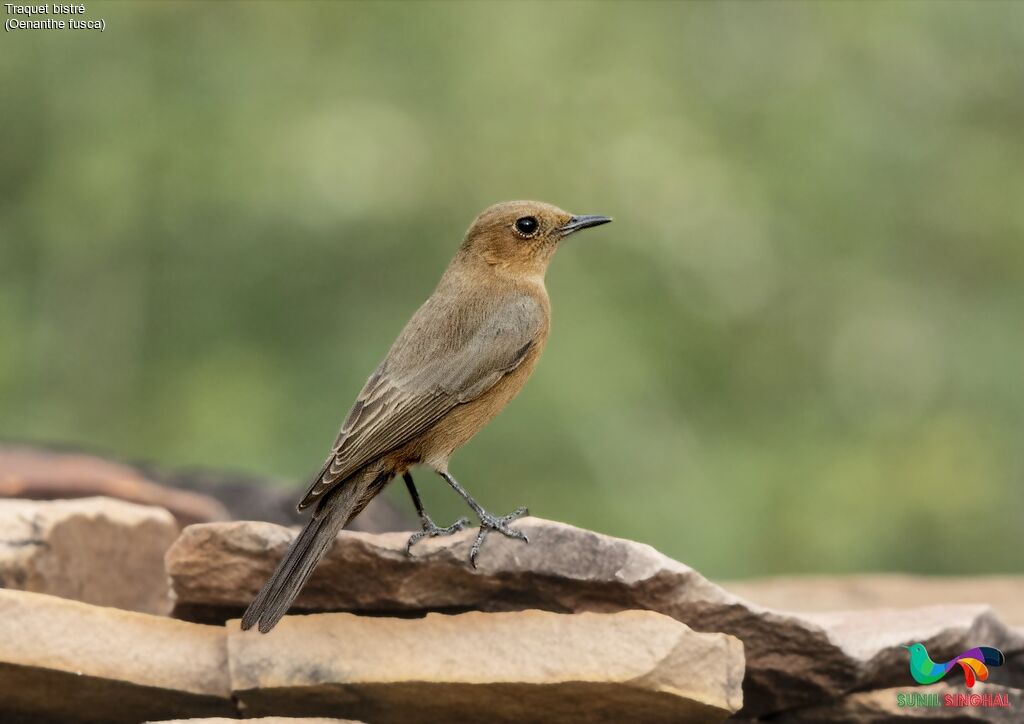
490,522
430,530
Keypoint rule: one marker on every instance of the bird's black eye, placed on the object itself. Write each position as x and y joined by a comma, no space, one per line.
527,225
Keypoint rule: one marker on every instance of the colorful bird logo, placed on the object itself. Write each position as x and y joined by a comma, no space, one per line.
974,662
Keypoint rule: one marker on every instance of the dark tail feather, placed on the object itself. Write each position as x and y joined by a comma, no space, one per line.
271,604
992,657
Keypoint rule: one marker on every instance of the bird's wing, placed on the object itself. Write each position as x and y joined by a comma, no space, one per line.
985,654
430,369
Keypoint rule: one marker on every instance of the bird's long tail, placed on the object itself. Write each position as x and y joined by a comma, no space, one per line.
331,515
974,662
991,656
973,669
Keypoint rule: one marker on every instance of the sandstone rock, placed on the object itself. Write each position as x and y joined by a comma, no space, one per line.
261,720
505,667
65,661
883,705
1005,594
96,550
874,639
40,474
192,495
791,660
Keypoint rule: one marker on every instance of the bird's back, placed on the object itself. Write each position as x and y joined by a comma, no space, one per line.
461,357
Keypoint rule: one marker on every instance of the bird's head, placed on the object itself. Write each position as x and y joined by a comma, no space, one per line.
917,652
519,237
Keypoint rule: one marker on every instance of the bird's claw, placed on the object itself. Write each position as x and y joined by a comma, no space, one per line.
430,530
490,522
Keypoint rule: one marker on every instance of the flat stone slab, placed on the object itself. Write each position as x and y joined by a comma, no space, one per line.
193,495
66,661
792,659
874,638
501,667
261,720
41,474
98,550
917,703
1005,594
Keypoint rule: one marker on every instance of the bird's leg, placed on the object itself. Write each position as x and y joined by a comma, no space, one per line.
488,522
430,530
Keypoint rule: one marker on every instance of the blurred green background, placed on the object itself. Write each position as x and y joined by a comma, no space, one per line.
798,348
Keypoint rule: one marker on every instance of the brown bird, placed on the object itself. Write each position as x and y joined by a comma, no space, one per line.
464,354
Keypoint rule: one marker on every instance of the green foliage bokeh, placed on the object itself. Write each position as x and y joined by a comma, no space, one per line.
798,348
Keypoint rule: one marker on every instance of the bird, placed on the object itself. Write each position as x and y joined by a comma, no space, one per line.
464,354
974,662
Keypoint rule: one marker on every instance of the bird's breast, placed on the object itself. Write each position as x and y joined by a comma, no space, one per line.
466,420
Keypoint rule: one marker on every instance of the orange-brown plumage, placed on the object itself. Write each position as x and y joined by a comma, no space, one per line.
465,353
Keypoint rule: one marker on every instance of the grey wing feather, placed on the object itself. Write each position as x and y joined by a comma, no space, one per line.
421,380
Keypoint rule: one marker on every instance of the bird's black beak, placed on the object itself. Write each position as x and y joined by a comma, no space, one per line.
582,222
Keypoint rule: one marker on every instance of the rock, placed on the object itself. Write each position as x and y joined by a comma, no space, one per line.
840,593
261,720
65,661
792,660
96,550
874,638
192,495
505,667
41,474
919,702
